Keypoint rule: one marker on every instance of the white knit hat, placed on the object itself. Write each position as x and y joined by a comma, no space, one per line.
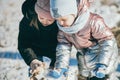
60,8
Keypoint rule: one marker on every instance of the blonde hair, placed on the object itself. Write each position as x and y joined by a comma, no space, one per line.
34,22
33,18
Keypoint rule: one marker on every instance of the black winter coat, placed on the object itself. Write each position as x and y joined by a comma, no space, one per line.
33,43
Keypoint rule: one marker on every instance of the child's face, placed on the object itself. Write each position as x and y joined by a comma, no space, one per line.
45,21
66,21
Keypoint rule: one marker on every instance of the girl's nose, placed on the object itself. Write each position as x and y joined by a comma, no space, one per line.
44,22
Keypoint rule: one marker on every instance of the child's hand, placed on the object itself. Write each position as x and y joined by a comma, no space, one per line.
36,67
100,71
56,73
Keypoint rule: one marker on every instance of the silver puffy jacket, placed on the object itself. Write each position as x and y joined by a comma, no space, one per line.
95,44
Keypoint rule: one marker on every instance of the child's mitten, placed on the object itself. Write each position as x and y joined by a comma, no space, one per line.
99,72
58,72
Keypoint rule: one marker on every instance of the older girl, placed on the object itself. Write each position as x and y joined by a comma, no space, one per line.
37,34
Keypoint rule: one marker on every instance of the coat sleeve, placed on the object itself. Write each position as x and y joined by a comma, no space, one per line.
24,46
108,46
62,51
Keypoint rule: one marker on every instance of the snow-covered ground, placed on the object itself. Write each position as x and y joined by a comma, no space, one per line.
12,66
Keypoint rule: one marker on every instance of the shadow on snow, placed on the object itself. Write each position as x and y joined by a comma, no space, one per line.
10,55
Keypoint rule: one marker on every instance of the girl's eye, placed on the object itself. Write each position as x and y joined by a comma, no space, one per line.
50,20
41,18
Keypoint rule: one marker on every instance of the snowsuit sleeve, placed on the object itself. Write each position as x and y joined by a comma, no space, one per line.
62,51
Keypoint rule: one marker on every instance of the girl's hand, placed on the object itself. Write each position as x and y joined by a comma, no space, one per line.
36,67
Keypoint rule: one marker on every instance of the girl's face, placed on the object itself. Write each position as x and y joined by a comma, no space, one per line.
66,21
45,21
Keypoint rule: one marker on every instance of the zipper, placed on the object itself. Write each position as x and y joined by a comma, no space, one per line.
76,41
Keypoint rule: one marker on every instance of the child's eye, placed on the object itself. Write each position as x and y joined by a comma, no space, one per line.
63,19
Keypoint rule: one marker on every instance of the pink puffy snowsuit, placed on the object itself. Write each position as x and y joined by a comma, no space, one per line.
94,42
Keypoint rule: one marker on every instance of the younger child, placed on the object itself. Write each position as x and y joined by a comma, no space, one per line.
97,51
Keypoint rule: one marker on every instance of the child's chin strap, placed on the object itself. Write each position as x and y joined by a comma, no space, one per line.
80,5
83,5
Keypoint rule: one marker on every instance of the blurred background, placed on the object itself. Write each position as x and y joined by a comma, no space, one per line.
12,66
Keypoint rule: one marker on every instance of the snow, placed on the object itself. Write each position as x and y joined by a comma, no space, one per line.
12,66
